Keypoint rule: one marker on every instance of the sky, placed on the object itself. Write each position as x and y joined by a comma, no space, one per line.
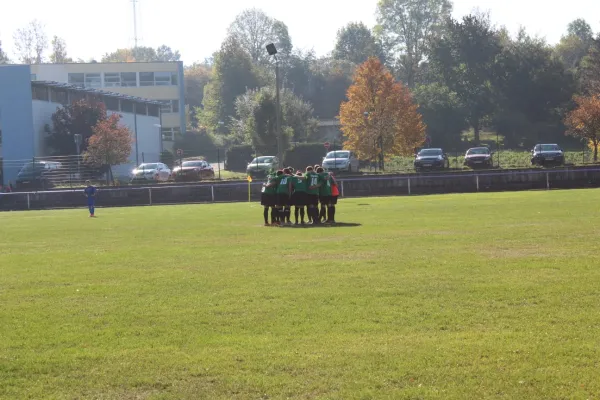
197,29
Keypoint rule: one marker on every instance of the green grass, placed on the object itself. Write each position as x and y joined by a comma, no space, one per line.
435,297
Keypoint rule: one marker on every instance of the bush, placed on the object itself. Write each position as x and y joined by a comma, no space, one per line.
195,144
166,157
307,154
238,157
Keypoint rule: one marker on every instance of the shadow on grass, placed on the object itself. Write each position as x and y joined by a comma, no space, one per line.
336,225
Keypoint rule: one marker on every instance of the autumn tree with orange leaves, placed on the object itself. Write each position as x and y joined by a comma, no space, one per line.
380,117
110,144
584,121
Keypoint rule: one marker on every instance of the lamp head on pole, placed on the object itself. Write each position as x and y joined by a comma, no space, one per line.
271,49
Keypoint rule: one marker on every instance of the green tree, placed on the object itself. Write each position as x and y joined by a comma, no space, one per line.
253,30
31,43
443,114
78,118
142,54
59,51
463,56
196,78
590,69
256,119
356,43
404,27
232,75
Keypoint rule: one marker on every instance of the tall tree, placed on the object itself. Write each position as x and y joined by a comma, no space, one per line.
380,116
59,51
196,77
464,56
356,43
79,117
584,121
232,75
142,54
405,27
575,44
590,69
31,42
253,30
3,57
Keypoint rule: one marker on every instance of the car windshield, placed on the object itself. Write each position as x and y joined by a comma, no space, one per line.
338,154
549,147
262,160
430,152
193,164
478,150
148,166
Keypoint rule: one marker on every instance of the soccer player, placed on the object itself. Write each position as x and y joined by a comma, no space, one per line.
335,192
299,196
284,189
324,193
90,192
268,199
312,196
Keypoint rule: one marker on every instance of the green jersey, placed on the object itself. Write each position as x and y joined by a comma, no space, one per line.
325,181
283,184
312,179
299,184
270,189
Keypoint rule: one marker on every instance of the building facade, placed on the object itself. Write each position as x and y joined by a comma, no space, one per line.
26,110
160,81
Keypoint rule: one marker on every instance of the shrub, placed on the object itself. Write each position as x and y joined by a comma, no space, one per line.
307,154
195,144
166,157
238,157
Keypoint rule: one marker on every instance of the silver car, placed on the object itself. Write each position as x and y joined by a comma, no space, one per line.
157,172
341,160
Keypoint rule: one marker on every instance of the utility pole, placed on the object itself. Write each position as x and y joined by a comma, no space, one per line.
135,36
272,51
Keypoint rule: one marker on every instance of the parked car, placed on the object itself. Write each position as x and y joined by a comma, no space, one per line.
37,175
431,159
479,157
342,160
261,166
545,154
154,172
193,170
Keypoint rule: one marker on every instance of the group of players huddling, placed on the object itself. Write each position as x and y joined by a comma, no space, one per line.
284,190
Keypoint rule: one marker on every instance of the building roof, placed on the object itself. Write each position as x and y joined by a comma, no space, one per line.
73,88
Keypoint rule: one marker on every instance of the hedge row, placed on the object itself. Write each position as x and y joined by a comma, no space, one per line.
299,156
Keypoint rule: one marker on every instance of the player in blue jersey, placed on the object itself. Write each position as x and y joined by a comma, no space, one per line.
90,192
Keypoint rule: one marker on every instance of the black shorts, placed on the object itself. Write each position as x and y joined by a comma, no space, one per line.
299,199
268,199
283,199
333,200
325,200
312,199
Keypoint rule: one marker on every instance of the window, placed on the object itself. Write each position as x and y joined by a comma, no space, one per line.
93,80
175,105
33,77
167,134
59,96
111,103
40,93
146,78
128,79
77,96
170,106
77,79
112,79
140,109
153,110
176,131
162,78
127,106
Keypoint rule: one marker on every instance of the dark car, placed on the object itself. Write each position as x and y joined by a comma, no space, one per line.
479,157
431,159
193,171
547,154
37,175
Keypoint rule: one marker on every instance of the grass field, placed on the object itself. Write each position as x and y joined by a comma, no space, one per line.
487,296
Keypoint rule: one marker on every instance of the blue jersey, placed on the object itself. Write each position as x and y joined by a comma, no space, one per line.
90,193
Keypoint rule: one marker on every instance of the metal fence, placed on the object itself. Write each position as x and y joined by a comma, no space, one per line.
349,187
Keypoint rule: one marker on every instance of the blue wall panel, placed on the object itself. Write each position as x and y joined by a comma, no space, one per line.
16,119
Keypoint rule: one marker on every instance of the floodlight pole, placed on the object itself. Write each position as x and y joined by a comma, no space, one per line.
278,111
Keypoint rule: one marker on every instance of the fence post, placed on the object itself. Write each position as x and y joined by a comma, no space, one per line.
28,202
547,181
342,193
219,163
150,195
212,193
409,186
477,181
